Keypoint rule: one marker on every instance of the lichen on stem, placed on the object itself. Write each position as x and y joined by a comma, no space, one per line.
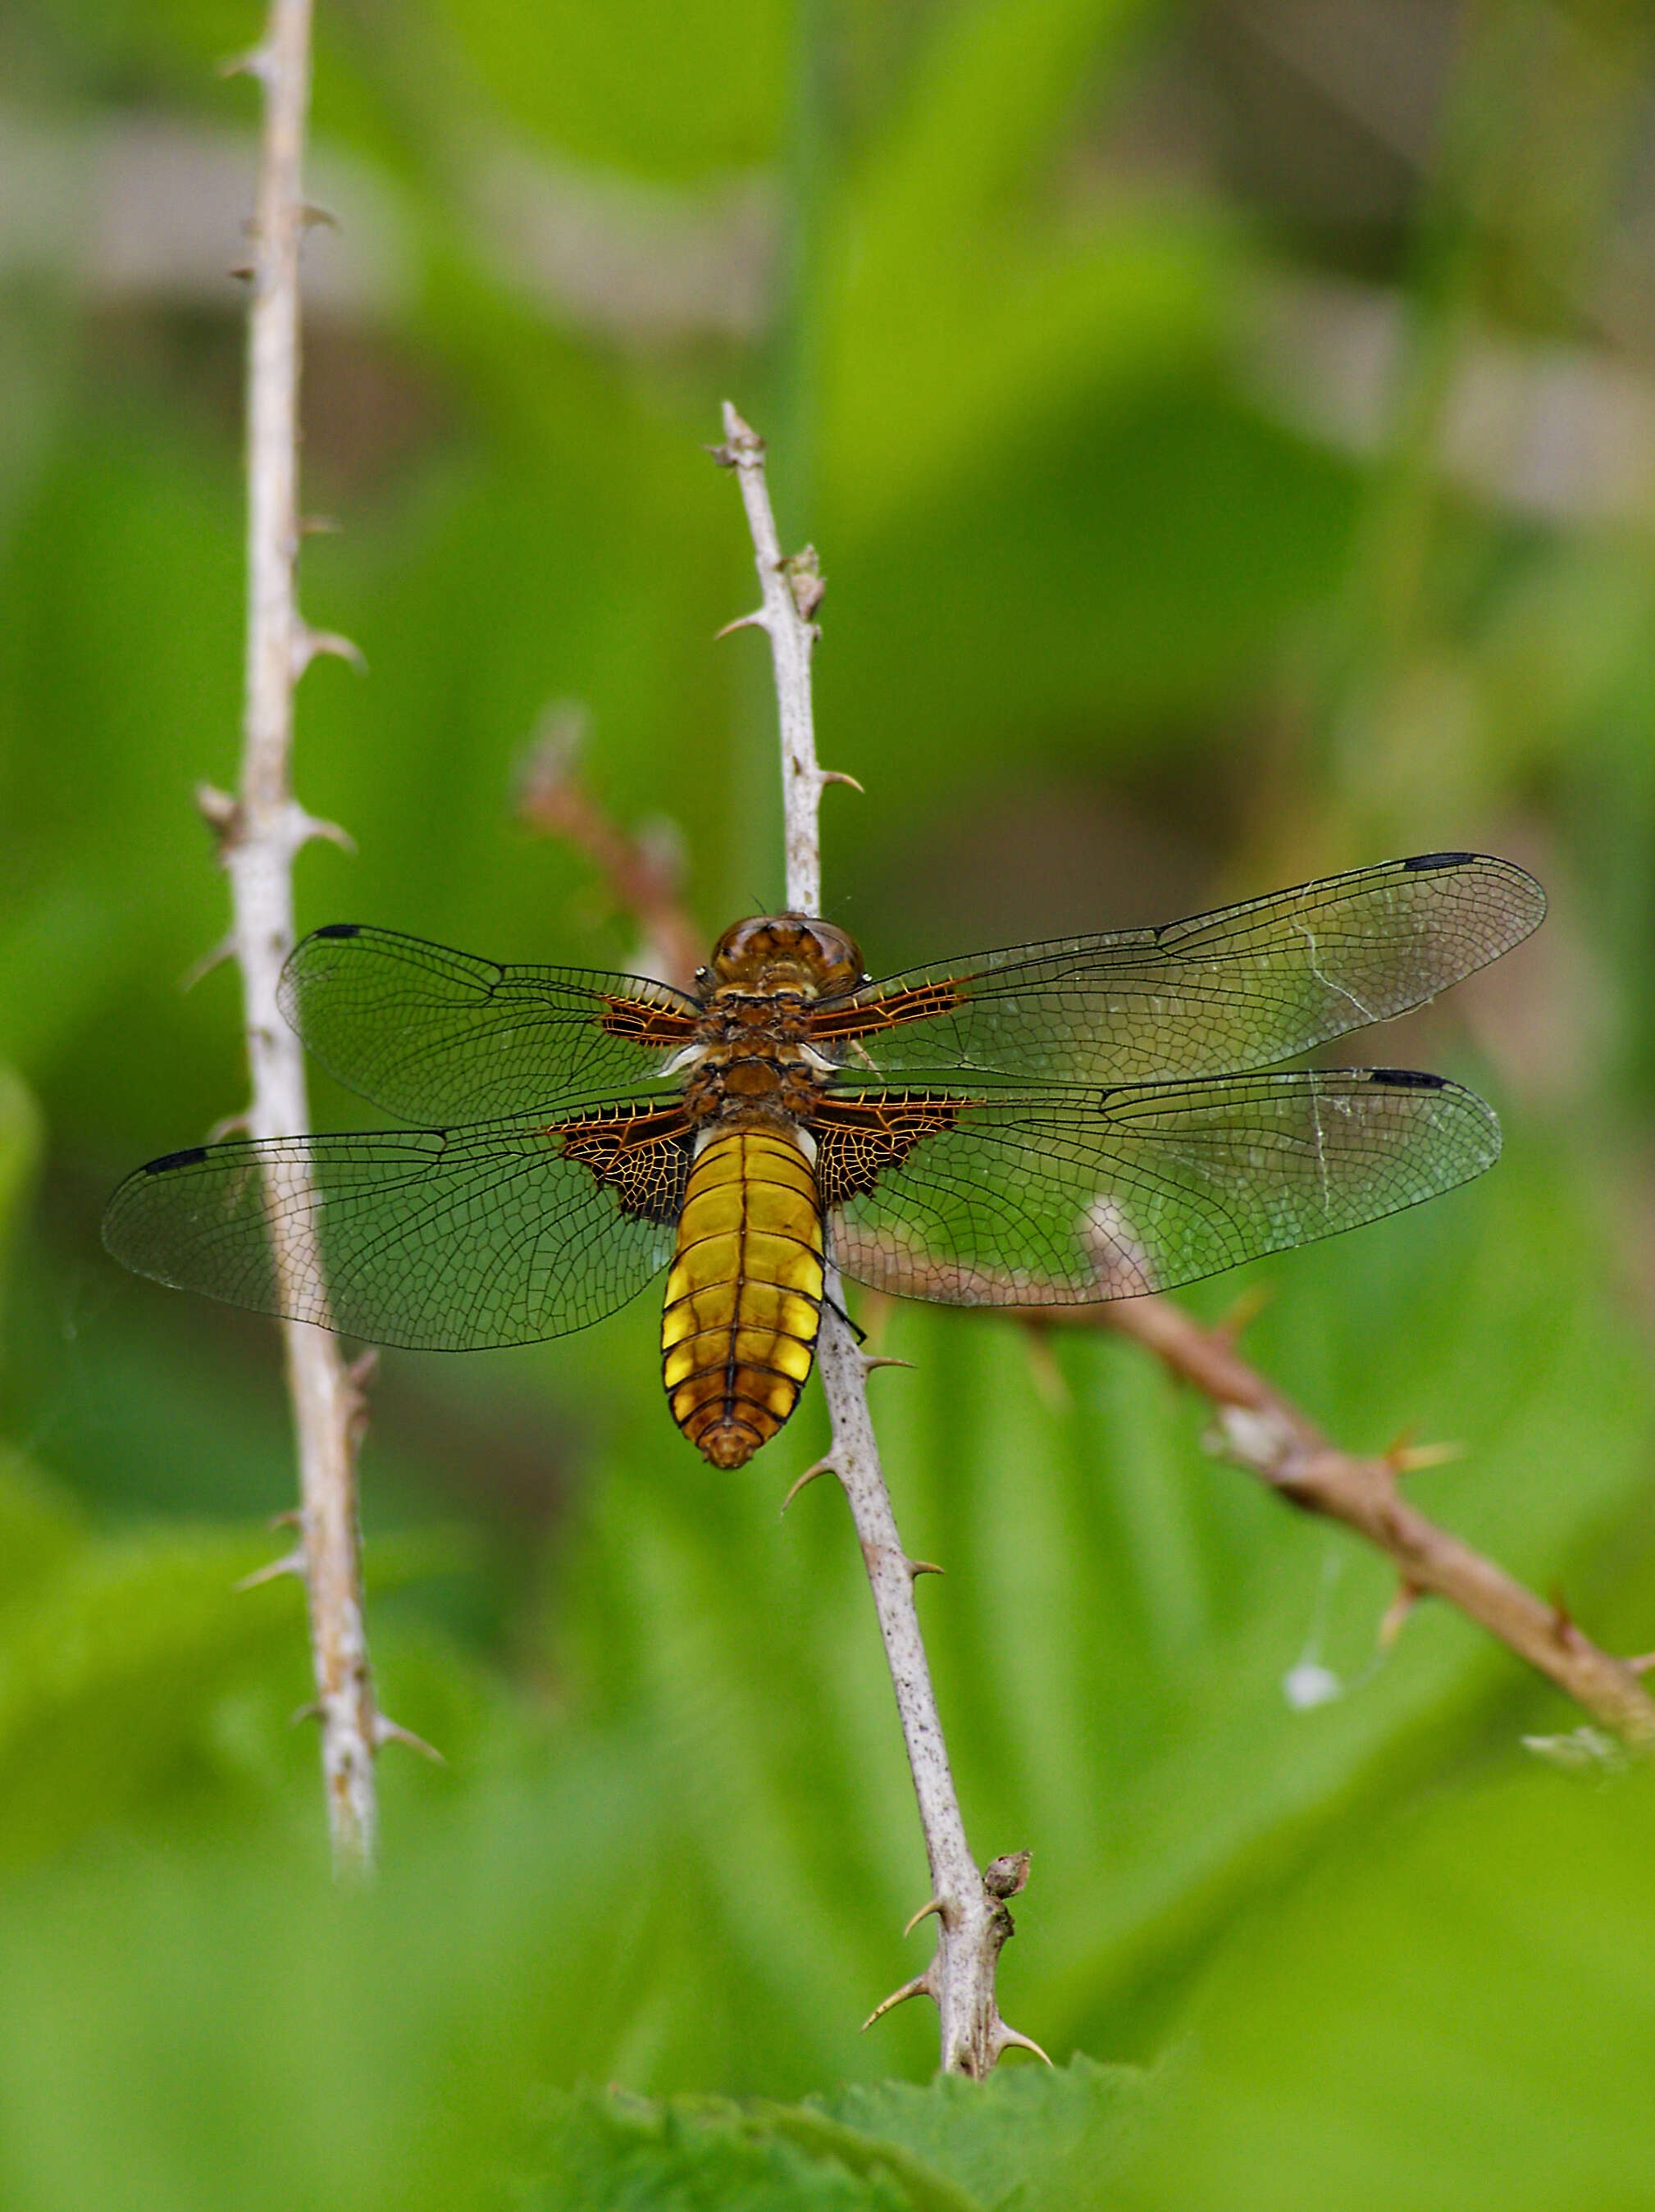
969,1902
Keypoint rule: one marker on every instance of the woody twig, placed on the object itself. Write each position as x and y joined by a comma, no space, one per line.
260,830
641,872
1264,1432
969,1902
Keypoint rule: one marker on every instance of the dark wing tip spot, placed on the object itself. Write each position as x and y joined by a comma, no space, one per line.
191,1157
355,928
1406,1078
1438,860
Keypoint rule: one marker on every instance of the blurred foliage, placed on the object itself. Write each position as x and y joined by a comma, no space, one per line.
1222,428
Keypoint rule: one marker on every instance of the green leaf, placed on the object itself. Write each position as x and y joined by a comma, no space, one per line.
1024,2139
615,2153
1455,2007
1029,2137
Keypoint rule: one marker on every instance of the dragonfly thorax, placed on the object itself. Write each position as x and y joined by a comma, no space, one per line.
754,1062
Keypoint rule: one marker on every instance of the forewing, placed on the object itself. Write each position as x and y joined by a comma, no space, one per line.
439,1240
437,1036
1243,987
1049,1199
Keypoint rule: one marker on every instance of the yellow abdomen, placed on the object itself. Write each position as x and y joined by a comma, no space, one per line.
743,1299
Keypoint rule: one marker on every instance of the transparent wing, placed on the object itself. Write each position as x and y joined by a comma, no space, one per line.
438,1037
1243,987
1045,1199
443,1241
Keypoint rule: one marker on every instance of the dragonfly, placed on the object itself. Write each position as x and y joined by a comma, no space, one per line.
1050,1124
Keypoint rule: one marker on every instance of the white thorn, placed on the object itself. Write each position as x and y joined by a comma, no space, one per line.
310,828
818,1467
390,1731
308,644
254,63
919,1987
1007,2038
199,969
293,1563
754,621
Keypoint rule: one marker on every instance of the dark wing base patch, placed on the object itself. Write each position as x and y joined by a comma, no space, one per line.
858,1140
643,1158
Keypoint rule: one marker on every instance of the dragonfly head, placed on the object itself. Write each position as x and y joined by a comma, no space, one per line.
785,952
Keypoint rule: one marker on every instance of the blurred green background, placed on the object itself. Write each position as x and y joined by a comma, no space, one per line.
1230,435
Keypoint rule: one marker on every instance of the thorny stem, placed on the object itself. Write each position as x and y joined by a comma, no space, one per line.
260,832
970,1903
1270,1436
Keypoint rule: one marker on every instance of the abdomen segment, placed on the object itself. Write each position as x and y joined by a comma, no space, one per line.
743,1299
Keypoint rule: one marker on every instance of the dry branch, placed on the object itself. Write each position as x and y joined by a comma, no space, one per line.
970,1903
260,831
642,874
1265,1432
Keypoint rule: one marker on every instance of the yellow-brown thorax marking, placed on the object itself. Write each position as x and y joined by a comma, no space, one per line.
744,1299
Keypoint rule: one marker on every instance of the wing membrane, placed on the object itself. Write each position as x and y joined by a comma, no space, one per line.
437,1036
1044,1200
441,1241
1243,987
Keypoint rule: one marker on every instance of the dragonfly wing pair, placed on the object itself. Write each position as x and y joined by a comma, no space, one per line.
1050,1124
